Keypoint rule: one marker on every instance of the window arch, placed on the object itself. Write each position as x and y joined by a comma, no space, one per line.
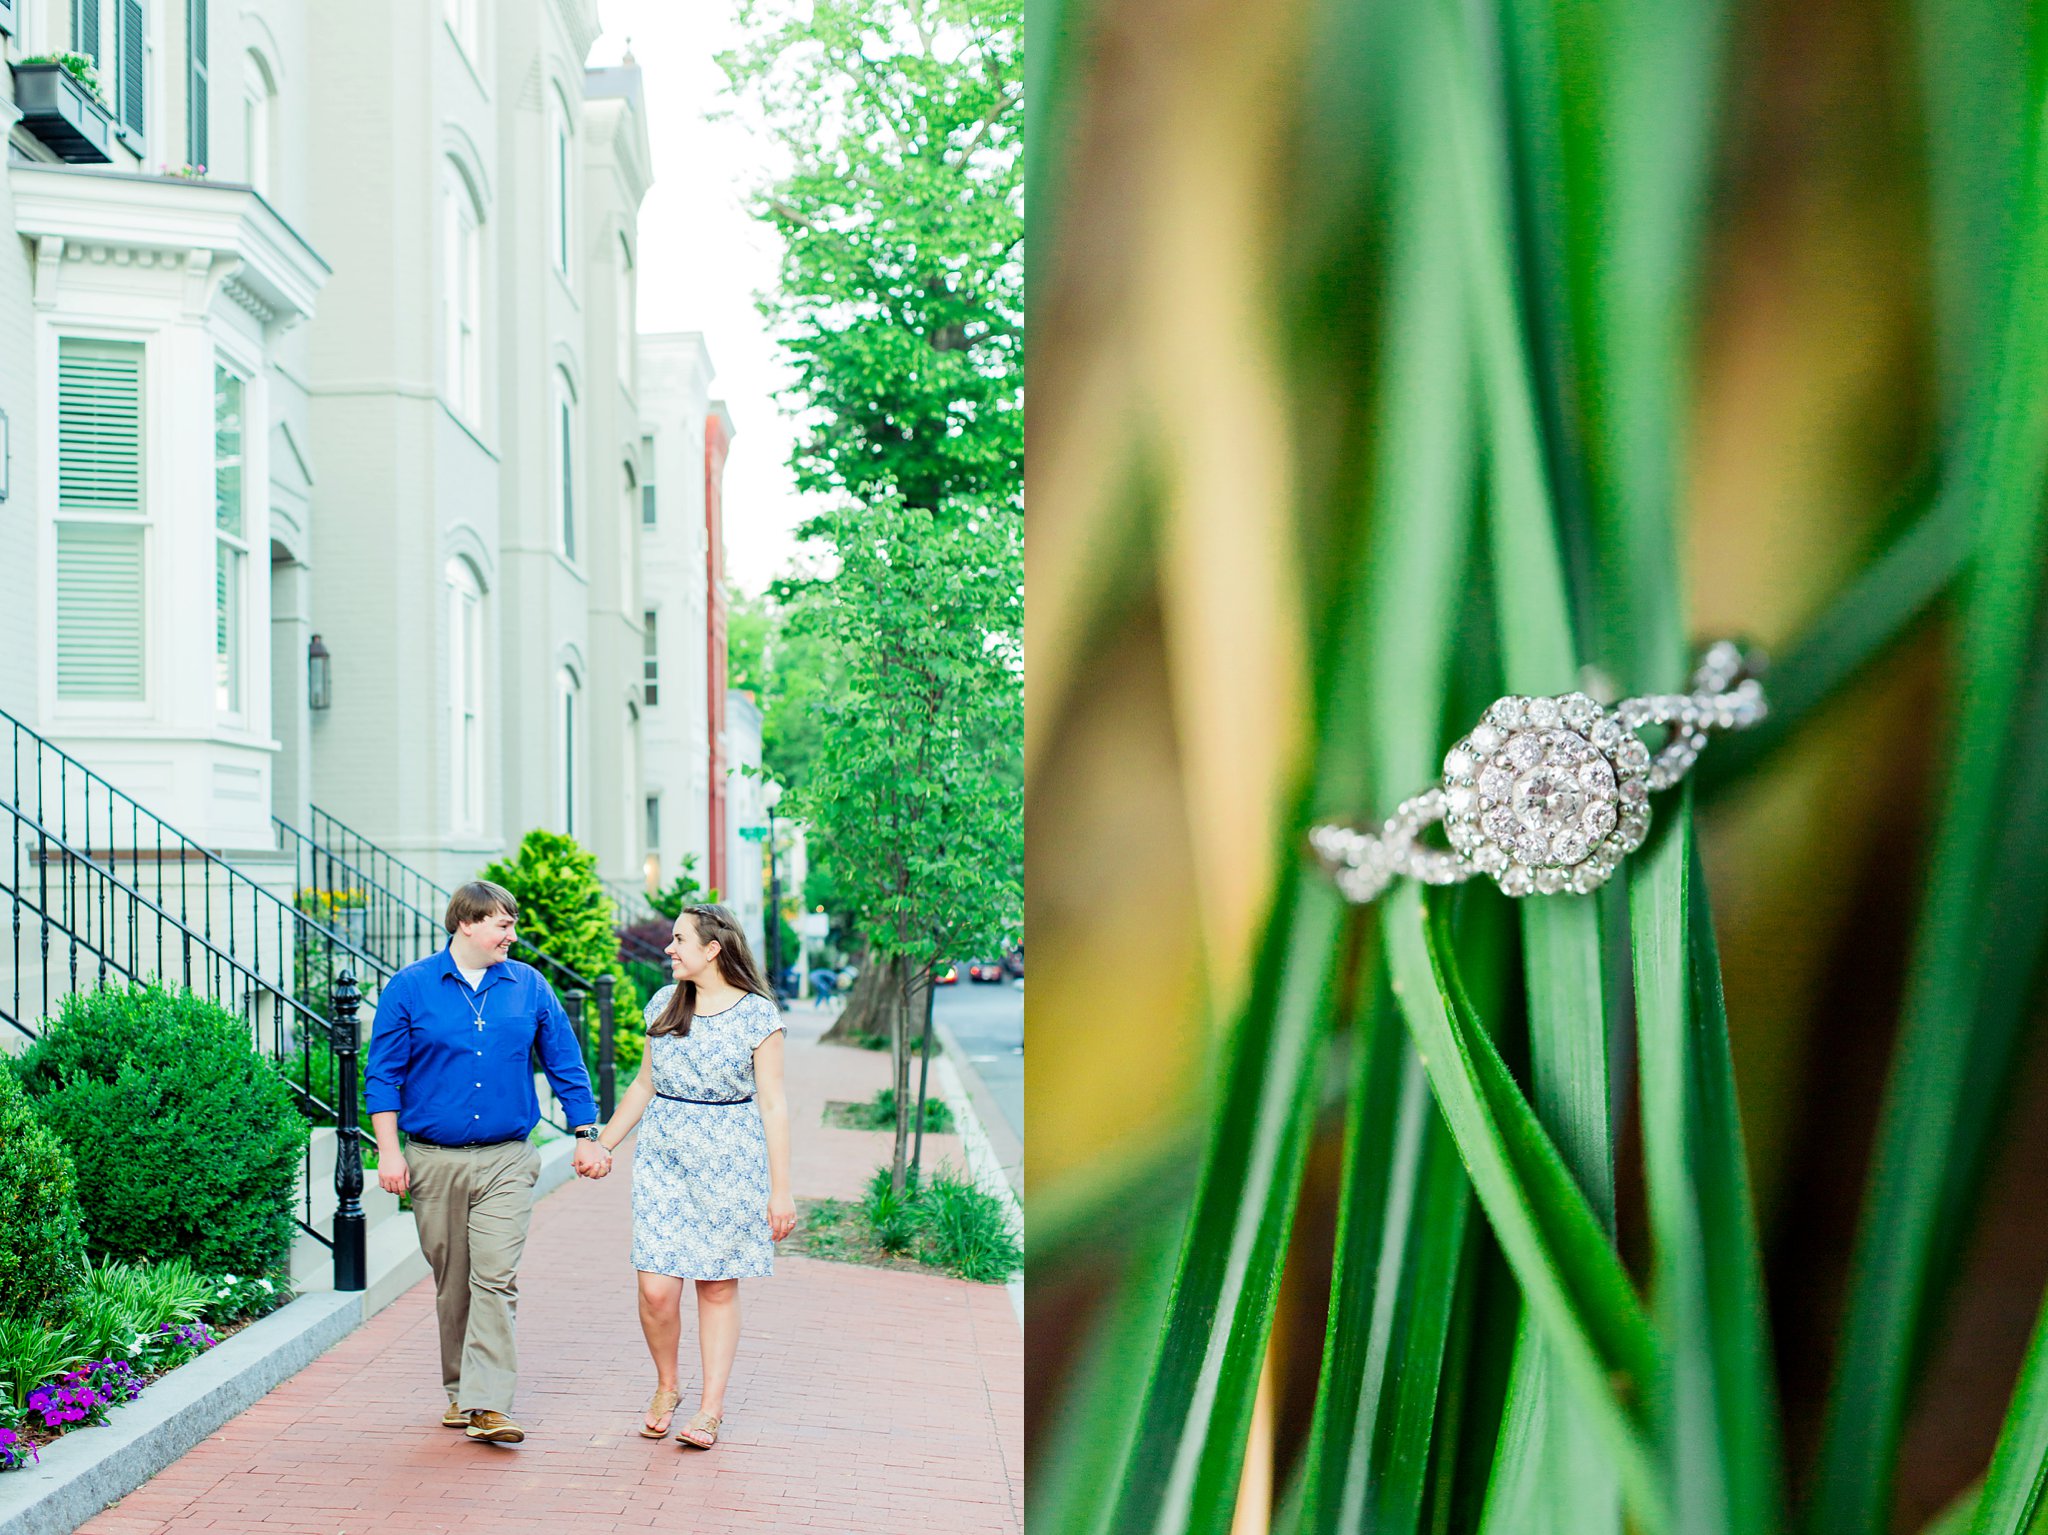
564,432
462,300
465,695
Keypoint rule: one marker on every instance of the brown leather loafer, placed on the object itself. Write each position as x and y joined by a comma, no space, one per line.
454,1417
494,1427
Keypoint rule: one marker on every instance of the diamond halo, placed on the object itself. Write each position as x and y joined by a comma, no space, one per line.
1547,795
1535,801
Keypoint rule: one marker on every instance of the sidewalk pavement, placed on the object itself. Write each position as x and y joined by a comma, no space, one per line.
863,1400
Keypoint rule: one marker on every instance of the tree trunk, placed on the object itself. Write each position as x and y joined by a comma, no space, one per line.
909,1030
866,1005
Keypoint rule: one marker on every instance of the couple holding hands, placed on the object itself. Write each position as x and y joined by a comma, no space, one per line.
449,1068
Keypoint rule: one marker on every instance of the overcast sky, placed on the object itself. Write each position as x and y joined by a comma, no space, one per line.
702,258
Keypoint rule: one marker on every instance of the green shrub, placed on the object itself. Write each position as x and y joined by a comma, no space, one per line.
186,1141
31,1353
42,1259
158,1293
104,1326
566,913
893,1218
967,1232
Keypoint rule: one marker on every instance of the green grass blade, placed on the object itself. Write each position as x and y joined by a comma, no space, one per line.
1572,1281
1561,937
2016,1487
1071,1492
1188,1451
1719,1422
1932,1133
1391,1305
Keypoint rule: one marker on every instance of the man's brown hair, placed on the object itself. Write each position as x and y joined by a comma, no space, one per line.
477,900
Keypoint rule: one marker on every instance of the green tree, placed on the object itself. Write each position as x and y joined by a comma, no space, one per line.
901,307
917,812
790,668
901,297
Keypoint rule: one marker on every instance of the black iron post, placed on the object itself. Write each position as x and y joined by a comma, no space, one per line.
351,1230
924,1070
607,1073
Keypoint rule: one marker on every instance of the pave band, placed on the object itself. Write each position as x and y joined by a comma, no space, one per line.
1548,795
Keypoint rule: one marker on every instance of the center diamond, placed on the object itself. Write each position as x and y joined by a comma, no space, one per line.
1547,799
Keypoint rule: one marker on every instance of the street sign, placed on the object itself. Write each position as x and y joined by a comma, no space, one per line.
753,833
814,924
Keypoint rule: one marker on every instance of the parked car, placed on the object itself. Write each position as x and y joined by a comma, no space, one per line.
1013,962
945,975
986,971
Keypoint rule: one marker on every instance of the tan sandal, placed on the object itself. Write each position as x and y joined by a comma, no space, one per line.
705,1433
664,1407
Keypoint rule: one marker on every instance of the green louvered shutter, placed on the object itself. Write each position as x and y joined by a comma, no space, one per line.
85,28
100,568
128,44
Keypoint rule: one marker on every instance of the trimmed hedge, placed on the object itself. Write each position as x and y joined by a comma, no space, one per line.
186,1141
42,1260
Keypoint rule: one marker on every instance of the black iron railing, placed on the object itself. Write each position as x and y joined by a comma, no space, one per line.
101,891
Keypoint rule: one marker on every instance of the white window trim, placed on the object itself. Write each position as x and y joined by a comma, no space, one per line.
53,334
465,696
462,279
562,458
561,190
568,744
237,714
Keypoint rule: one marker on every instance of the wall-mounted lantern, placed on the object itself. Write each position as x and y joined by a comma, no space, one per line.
319,675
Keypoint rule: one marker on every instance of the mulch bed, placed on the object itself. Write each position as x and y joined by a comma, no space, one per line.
834,1229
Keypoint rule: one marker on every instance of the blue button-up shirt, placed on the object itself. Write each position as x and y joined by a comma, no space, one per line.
455,1080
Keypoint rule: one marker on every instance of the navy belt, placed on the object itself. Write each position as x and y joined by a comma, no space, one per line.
672,1098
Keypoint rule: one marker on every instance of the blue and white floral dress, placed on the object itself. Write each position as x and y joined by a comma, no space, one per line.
700,1170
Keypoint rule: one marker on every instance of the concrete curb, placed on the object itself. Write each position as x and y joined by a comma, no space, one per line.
984,1166
84,1471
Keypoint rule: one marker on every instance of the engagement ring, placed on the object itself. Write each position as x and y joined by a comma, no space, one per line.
1548,795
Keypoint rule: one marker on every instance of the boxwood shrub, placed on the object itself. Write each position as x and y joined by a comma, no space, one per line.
42,1259
185,1140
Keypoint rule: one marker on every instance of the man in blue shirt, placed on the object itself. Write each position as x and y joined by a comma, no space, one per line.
449,1065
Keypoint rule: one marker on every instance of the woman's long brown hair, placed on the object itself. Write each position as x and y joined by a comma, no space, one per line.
714,924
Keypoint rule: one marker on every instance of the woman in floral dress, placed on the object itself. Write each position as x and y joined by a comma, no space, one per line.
711,1173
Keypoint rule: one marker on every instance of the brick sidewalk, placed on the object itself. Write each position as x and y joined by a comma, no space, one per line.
862,1400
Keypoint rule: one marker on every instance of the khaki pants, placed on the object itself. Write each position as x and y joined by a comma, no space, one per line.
472,1207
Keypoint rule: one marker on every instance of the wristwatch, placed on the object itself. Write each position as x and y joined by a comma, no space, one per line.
587,1132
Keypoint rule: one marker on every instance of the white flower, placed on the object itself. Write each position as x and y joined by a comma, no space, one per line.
268,1287
229,1279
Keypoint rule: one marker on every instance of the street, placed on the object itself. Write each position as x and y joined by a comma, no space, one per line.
988,1021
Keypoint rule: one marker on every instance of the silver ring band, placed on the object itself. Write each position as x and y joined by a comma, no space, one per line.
1548,795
